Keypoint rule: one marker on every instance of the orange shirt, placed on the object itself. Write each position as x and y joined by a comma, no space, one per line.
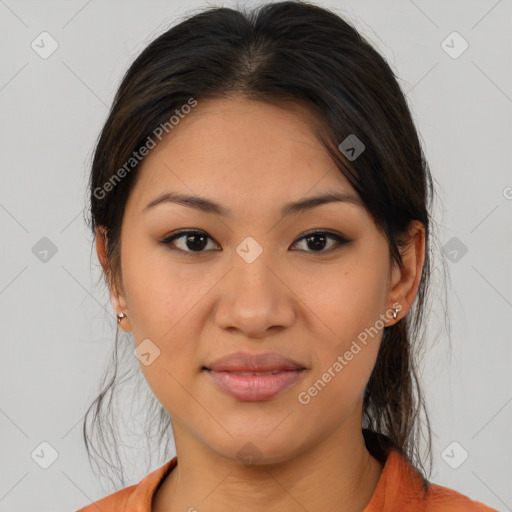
398,489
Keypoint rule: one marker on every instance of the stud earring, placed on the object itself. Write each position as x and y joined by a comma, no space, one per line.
120,316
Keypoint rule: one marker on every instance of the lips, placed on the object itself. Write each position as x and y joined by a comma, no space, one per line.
270,372
243,362
254,377
254,387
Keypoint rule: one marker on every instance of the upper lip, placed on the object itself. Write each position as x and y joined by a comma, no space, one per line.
246,362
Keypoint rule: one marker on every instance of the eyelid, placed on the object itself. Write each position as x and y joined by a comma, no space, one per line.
338,237
168,239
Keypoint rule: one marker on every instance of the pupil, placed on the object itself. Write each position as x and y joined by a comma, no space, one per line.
316,245
201,245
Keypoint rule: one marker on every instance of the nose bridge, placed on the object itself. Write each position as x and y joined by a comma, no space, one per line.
253,298
252,263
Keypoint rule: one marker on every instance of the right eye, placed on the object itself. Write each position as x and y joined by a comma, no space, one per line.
194,240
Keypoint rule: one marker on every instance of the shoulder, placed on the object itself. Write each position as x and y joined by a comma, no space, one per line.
137,497
441,499
409,488
112,502
402,487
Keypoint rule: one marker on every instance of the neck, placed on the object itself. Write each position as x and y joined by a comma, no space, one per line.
338,474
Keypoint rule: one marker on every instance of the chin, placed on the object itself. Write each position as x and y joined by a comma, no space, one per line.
257,450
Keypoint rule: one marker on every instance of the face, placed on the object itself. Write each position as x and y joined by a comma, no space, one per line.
253,280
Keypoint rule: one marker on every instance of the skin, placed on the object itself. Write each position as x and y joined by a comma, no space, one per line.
306,303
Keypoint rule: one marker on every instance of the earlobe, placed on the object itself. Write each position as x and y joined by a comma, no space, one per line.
405,286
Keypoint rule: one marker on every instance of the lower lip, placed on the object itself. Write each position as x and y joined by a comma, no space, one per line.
253,388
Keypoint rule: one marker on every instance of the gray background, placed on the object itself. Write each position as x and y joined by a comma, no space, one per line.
57,323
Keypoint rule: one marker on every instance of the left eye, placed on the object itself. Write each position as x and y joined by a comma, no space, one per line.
193,242
319,239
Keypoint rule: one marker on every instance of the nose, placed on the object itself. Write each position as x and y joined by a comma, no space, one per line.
254,297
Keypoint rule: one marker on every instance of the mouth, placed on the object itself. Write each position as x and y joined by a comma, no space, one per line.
254,372
254,386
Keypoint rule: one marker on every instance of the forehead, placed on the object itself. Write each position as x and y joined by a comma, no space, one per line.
241,150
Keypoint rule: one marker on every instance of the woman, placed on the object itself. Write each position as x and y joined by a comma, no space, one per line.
260,202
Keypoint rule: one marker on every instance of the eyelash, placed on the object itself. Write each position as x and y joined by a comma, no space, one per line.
339,239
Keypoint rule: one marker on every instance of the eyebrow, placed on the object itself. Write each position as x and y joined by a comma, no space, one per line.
208,206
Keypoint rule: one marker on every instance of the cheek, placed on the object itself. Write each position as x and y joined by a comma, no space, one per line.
345,358
161,307
159,294
349,304
167,383
336,389
345,299
173,372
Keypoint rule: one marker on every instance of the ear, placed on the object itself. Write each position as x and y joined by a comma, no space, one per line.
117,298
405,282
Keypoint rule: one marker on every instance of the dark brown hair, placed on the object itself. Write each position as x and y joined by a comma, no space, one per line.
284,53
